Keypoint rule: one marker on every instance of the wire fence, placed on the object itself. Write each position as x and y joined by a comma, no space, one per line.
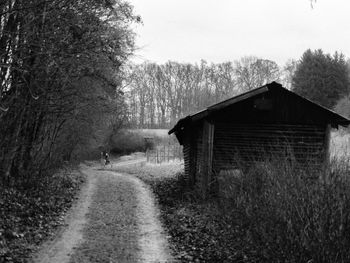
164,153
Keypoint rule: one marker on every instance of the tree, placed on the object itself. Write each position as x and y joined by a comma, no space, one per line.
343,106
253,72
59,61
158,95
288,72
321,77
312,3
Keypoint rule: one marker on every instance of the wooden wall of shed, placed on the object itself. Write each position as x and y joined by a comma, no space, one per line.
198,137
267,125
187,159
242,145
193,152
205,175
198,154
190,152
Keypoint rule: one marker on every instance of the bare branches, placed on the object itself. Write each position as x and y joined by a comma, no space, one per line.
161,94
254,72
312,3
59,64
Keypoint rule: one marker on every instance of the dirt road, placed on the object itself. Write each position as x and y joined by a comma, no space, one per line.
114,220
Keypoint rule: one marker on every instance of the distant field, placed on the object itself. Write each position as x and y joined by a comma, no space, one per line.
151,132
340,144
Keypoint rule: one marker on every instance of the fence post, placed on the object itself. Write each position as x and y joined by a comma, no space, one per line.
168,153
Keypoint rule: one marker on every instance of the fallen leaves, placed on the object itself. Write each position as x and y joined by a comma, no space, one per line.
198,232
28,216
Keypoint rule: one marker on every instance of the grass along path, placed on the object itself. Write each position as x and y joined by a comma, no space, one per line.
121,224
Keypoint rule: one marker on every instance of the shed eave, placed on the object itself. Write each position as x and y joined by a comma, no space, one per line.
238,98
218,106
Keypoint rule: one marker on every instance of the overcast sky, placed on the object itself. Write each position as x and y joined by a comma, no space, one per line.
225,30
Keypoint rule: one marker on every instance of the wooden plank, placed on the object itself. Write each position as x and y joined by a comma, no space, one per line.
186,151
210,153
236,144
193,159
203,173
326,145
207,161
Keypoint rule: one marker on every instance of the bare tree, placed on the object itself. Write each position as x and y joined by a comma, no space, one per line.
254,72
161,94
288,72
58,59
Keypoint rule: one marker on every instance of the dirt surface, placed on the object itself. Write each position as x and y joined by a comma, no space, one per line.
60,249
114,220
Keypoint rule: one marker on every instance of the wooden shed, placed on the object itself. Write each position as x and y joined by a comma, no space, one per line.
264,122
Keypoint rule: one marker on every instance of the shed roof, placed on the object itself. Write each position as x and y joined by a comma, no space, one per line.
334,118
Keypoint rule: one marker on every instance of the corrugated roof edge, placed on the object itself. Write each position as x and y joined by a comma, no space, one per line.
205,112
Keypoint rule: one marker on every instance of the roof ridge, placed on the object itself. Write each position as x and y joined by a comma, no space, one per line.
243,96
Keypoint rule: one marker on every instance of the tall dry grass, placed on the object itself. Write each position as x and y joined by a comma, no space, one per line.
288,214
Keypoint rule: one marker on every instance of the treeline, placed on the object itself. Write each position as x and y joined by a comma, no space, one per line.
323,78
59,74
158,95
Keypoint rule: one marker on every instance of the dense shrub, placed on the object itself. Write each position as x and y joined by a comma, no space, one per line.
126,142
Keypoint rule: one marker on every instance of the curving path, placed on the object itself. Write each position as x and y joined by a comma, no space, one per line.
114,220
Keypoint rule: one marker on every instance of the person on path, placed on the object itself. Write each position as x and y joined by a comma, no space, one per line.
105,157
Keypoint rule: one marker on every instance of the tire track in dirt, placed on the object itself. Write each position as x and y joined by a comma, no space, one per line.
114,220
111,234
152,241
60,249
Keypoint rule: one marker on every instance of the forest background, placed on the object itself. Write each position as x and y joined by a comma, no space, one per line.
68,86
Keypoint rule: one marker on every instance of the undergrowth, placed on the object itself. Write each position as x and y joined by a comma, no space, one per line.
126,142
29,214
277,213
288,214
199,231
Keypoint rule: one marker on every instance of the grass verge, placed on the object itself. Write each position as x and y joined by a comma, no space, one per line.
198,230
277,213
